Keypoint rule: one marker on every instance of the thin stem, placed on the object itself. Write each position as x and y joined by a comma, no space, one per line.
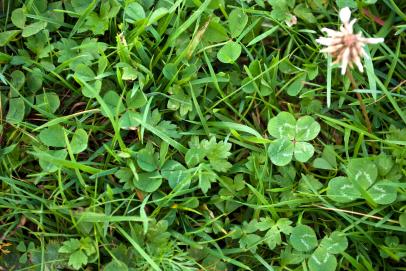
361,102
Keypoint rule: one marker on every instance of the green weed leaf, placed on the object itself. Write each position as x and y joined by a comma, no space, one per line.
303,238
229,53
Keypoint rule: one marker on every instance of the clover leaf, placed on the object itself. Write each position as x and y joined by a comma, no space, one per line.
291,137
361,181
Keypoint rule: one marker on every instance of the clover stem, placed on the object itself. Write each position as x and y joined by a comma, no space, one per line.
361,104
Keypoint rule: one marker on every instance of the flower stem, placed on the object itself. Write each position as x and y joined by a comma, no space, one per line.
361,103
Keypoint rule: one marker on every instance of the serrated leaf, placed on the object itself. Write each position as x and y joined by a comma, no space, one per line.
194,156
237,21
303,238
229,53
53,136
341,189
335,243
321,260
303,151
250,241
273,238
79,141
283,125
280,151
306,129
77,259
69,246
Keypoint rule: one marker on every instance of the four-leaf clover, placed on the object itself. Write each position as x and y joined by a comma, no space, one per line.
291,136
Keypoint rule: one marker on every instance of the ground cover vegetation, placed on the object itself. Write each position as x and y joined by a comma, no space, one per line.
201,135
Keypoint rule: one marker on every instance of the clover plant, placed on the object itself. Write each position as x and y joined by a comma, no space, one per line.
291,138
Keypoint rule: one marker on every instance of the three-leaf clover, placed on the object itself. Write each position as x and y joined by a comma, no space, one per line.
361,182
291,136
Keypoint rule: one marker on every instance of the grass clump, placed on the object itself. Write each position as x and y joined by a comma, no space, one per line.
200,135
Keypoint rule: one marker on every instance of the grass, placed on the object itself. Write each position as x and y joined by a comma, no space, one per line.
157,135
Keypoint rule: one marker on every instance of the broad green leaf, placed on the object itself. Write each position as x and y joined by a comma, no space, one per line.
128,120
16,110
7,36
80,6
53,136
402,220
229,53
115,265
341,189
306,129
84,72
384,163
77,259
135,99
156,15
321,163
282,126
17,80
148,182
281,151
147,160
113,102
303,238
335,243
170,70
303,151
49,166
383,192
363,171
297,85
175,173
35,80
237,20
215,33
304,13
321,260
134,12
346,3
18,18
33,28
79,141
48,102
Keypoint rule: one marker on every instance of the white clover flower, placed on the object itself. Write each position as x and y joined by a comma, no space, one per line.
345,46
